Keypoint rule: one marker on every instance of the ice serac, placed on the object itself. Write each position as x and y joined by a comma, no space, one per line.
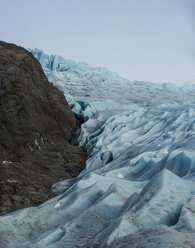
138,186
159,202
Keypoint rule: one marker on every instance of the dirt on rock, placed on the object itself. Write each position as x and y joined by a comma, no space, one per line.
36,127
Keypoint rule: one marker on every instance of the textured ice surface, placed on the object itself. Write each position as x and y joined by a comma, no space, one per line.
138,187
155,237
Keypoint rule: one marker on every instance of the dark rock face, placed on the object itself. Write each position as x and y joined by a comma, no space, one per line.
36,126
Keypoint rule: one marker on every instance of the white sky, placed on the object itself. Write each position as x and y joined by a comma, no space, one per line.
149,40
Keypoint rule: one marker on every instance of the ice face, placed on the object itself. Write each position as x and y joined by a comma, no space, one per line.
82,82
139,179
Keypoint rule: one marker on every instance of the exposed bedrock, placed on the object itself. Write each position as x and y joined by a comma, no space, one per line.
36,127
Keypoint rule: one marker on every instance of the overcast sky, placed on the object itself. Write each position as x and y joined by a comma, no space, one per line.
149,40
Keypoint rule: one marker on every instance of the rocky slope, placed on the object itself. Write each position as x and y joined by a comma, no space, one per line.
36,127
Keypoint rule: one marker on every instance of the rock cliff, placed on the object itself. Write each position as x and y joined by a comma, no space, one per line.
36,127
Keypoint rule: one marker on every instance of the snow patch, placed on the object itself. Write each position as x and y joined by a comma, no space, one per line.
119,175
6,162
57,205
37,144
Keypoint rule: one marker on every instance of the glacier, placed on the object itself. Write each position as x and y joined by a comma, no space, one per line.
138,186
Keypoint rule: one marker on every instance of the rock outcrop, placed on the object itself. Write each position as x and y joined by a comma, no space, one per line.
36,127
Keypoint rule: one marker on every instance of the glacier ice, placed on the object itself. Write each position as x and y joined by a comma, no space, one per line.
138,186
160,236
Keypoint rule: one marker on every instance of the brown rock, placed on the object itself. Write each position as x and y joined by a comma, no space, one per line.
36,127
